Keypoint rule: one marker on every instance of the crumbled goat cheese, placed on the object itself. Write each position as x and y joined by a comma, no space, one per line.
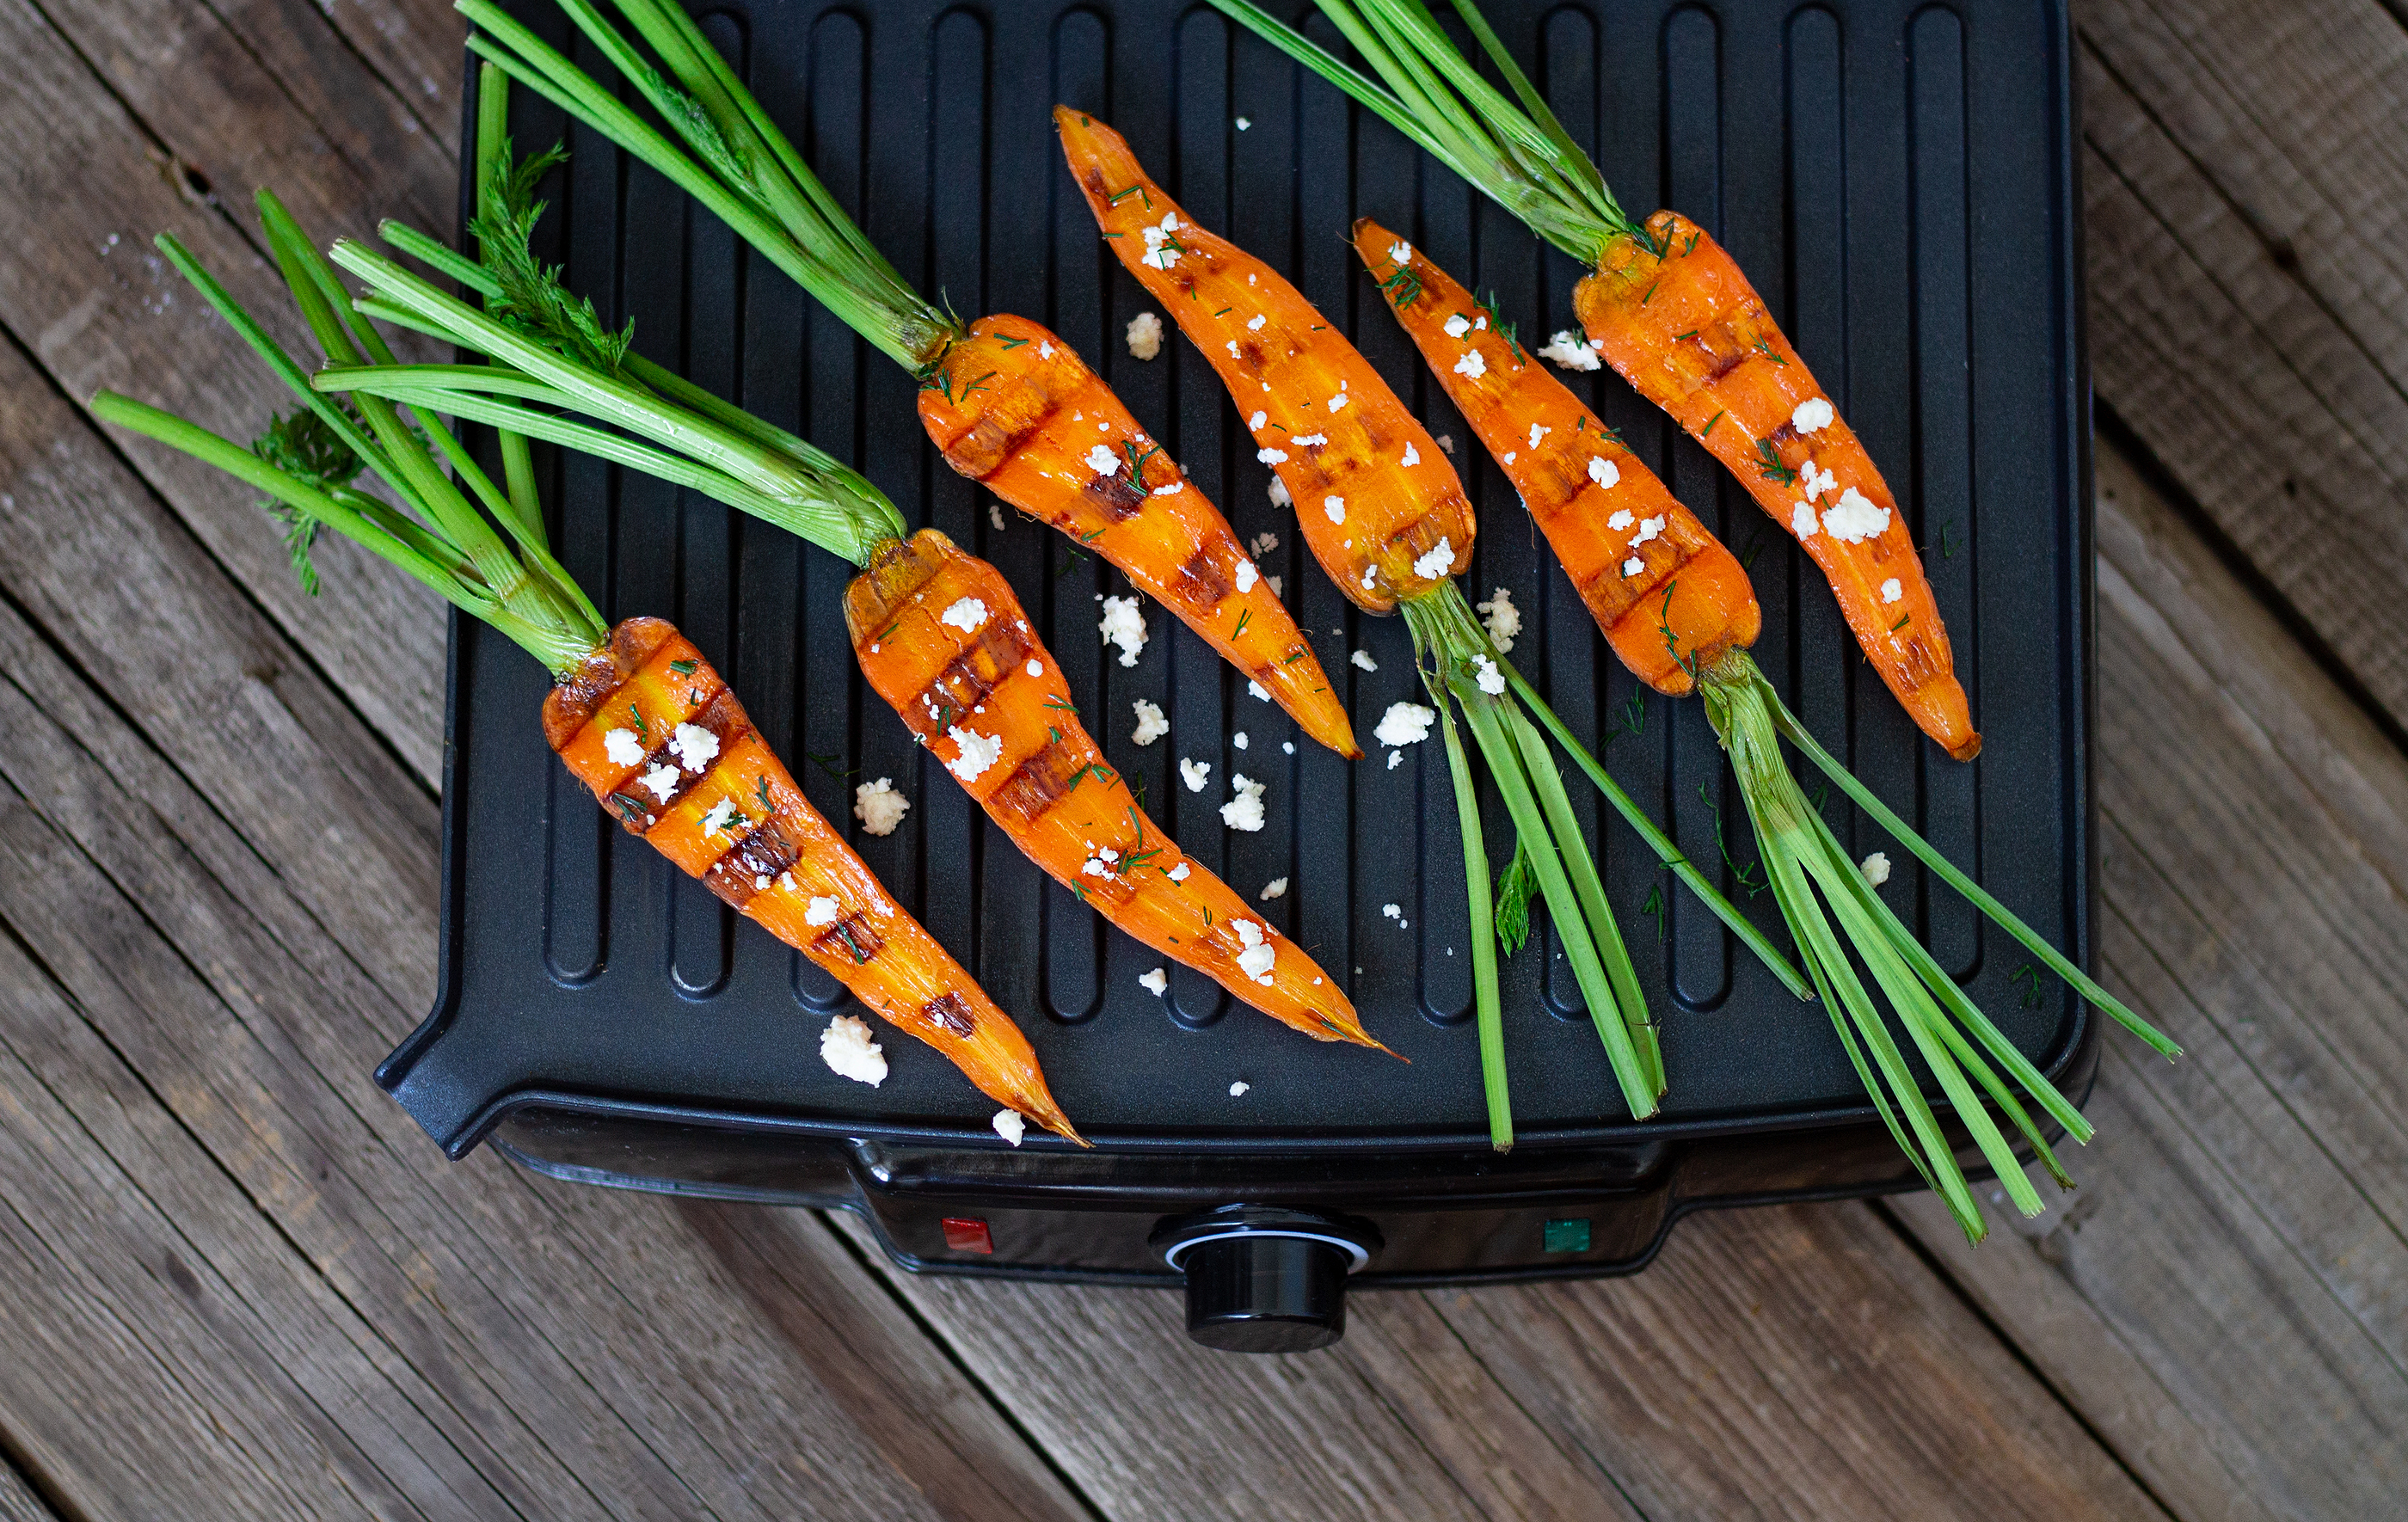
1243,124
1036,668
1245,810
1405,723
1367,572
1262,544
1491,680
1483,322
1446,442
1255,323
1511,455
693,745
967,615
1854,519
1273,583
1813,415
994,516
1269,455
1538,431
1440,560
1178,873
1632,567
1151,725
1892,590
1257,420
1568,350
1395,759
1009,1126
845,1046
1170,489
1238,739
623,747
721,817
878,807
1144,336
1816,481
1195,773
1648,529
662,780
1471,365
1102,461
1363,658
1316,440
1620,521
1288,747
1155,982
1875,867
1044,348
1802,521
1411,457
1238,1089
1160,252
1275,888
1401,251
1504,620
1603,471
1124,625
975,752
820,911
1233,351
1255,689
1247,576
1340,400
1279,493
1335,508
1458,326
1393,912
1256,959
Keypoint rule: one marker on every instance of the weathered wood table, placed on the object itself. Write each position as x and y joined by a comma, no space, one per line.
236,1281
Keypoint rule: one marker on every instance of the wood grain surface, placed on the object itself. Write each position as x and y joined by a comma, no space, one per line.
239,1282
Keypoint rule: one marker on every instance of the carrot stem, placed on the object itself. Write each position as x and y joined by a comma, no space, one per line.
1487,1004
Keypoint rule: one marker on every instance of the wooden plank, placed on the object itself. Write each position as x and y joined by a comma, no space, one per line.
1799,1362
18,1501
417,48
2226,1299
577,1350
80,195
2243,379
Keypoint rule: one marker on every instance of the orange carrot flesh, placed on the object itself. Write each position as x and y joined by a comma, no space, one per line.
1668,596
1374,497
943,639
1687,329
649,728
1014,409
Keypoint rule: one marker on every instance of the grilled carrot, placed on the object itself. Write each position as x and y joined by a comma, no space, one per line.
1673,313
1621,535
636,712
938,632
1374,496
1008,402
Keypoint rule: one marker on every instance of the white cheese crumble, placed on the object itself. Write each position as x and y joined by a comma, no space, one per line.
1393,912
1173,489
845,1046
1288,747
1195,773
1801,520
1621,519
1854,519
1567,350
1262,544
1335,508
994,516
662,780
1245,810
1144,336
1340,400
1648,529
820,911
1124,625
623,747
1511,455
1363,658
1275,888
1456,325
1816,481
1875,867
1395,759
1405,723
1009,1126
1044,348
1491,680
1316,440
1102,461
1279,493
1813,415
1411,457
1155,982
1440,560
1256,959
1538,431
1159,252
721,817
1471,365
1247,576
1603,471
1178,873
976,753
878,807
1243,124
967,615
1446,442
1240,740
1255,689
1255,323
1892,590
1400,252
1503,620
693,745
1257,420
1036,668
1238,1089
1269,455
1151,725
1273,583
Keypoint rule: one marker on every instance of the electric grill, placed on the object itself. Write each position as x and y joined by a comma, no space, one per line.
1897,174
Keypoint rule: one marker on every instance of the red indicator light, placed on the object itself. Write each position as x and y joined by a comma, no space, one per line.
967,1234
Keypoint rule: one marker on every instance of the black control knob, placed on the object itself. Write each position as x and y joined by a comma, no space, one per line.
1264,1280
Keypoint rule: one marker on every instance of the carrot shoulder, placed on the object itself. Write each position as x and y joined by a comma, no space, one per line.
1374,497
1679,320
1670,597
647,724
1014,409
942,637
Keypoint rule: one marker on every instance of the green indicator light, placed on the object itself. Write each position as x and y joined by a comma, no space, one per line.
1568,1236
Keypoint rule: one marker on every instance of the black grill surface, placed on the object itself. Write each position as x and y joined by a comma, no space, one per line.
1896,176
